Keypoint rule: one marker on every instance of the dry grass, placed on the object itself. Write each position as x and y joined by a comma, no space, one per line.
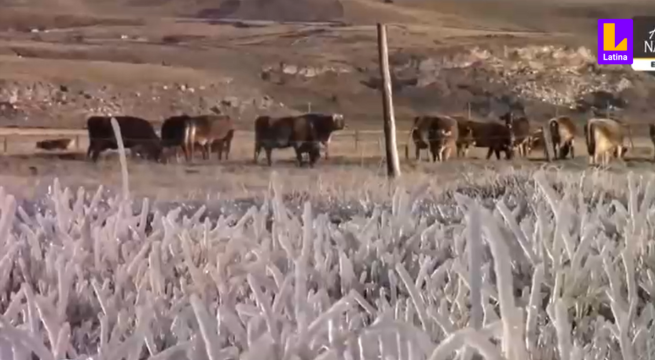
345,174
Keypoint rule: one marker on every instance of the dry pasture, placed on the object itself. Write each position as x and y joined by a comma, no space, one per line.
350,164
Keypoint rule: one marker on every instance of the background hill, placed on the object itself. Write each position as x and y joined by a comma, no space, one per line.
157,57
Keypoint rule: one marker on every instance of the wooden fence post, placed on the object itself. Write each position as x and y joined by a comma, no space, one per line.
393,167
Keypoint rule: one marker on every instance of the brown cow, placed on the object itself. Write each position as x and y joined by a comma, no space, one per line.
521,128
419,136
55,144
442,137
563,132
306,133
604,138
137,134
495,136
207,130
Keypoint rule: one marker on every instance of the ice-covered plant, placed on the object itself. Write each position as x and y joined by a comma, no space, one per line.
550,276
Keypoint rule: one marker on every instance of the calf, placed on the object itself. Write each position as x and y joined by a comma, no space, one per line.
55,144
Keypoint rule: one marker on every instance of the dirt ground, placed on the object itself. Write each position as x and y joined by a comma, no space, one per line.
155,58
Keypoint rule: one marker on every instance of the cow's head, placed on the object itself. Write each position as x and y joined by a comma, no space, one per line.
466,134
338,121
152,149
507,118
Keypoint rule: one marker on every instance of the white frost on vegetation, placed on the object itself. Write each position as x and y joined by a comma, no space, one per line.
567,280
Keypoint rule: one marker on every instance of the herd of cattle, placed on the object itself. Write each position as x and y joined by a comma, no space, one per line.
442,135
305,133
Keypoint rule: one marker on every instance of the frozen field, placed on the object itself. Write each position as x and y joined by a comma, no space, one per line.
532,265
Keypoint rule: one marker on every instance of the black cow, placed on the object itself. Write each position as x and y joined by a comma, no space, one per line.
138,134
173,132
305,133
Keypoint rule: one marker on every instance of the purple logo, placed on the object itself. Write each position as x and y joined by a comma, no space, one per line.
615,41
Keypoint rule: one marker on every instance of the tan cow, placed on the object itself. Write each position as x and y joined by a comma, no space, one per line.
562,132
604,138
207,130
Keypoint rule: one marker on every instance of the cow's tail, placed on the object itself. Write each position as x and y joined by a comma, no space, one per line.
590,138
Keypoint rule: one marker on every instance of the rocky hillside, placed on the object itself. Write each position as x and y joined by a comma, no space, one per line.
55,70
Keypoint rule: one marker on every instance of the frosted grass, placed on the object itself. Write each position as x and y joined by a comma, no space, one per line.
556,269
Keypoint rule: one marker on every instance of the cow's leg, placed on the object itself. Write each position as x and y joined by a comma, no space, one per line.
204,150
491,150
447,153
572,149
268,151
95,152
191,150
418,153
314,155
88,150
299,154
258,149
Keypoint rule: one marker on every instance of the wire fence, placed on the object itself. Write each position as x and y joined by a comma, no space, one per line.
25,139
361,143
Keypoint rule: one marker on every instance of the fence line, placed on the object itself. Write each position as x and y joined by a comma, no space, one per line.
359,138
